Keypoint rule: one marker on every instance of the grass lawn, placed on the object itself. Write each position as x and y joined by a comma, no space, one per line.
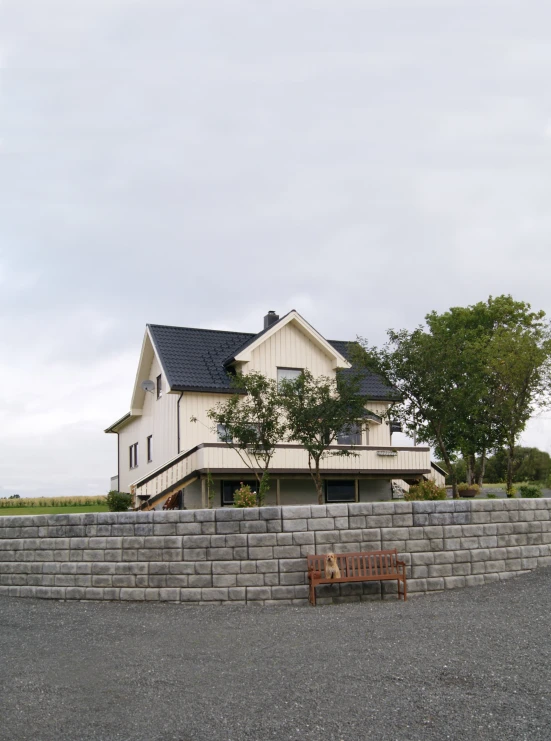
17,511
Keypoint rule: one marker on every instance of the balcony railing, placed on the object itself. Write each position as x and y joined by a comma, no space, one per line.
220,459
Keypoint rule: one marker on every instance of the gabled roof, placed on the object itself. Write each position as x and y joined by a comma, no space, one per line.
196,359
243,353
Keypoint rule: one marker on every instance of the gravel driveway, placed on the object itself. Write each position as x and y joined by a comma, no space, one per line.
471,664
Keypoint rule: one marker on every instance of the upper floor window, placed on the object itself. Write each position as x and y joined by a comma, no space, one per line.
159,386
150,448
288,374
133,451
351,435
223,435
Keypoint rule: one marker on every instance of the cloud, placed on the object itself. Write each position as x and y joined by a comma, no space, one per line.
201,163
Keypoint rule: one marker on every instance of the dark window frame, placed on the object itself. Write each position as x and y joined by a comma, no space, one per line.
333,500
133,455
159,386
149,448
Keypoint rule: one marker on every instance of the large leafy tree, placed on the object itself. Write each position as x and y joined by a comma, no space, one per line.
425,372
252,423
318,410
470,379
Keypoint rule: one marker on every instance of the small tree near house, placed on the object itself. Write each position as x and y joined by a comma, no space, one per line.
253,423
318,410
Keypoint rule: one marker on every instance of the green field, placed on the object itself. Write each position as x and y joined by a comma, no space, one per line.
18,511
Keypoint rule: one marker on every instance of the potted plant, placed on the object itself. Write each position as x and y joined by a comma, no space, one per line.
468,490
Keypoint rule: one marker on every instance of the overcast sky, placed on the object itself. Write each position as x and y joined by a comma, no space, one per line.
198,162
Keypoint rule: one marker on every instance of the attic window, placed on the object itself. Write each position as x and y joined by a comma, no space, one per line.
159,386
288,374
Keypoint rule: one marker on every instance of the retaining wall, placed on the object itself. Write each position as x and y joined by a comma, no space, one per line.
257,556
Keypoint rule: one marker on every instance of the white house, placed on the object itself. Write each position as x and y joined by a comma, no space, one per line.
161,452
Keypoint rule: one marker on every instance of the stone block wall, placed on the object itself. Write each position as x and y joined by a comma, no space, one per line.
258,556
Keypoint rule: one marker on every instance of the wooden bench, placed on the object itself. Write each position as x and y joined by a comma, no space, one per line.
365,566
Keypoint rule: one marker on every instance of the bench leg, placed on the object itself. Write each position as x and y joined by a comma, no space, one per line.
405,589
312,593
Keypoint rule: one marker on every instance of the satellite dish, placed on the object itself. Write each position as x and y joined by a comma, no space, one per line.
148,386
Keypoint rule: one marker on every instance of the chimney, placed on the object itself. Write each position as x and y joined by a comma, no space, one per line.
270,318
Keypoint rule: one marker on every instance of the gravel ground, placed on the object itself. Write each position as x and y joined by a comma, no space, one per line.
469,664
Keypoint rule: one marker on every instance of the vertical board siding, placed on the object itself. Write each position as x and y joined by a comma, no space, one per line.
289,348
159,418
197,405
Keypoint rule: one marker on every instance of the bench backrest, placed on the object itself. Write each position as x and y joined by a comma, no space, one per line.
367,563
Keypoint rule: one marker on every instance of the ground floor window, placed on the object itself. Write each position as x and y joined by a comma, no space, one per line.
340,491
230,487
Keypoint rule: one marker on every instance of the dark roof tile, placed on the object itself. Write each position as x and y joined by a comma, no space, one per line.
194,359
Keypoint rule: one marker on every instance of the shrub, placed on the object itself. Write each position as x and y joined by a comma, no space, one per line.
491,496
468,487
118,501
512,492
530,491
425,490
244,497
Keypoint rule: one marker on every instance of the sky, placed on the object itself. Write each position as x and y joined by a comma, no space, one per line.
198,163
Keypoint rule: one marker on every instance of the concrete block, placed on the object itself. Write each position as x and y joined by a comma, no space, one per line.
259,593
270,513
261,553
237,593
322,523
435,584
454,582
128,594
226,567
253,526
218,541
295,513
187,528
287,551
190,595
227,528
228,514
332,536
211,594
337,510
294,525
402,520
250,580
178,580
287,538
371,534
194,554
220,554
265,567
357,521
251,567
200,580
376,521
360,508
263,539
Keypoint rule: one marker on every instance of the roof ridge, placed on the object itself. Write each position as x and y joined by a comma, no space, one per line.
200,329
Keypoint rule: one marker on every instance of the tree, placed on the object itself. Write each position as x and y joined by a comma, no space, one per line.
470,379
424,370
318,410
252,423
520,373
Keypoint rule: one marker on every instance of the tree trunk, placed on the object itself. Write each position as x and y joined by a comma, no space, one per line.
510,456
448,463
469,466
480,481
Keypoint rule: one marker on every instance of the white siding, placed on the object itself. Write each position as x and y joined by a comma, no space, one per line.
197,405
289,348
159,419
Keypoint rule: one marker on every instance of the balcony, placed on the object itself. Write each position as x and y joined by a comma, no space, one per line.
288,461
